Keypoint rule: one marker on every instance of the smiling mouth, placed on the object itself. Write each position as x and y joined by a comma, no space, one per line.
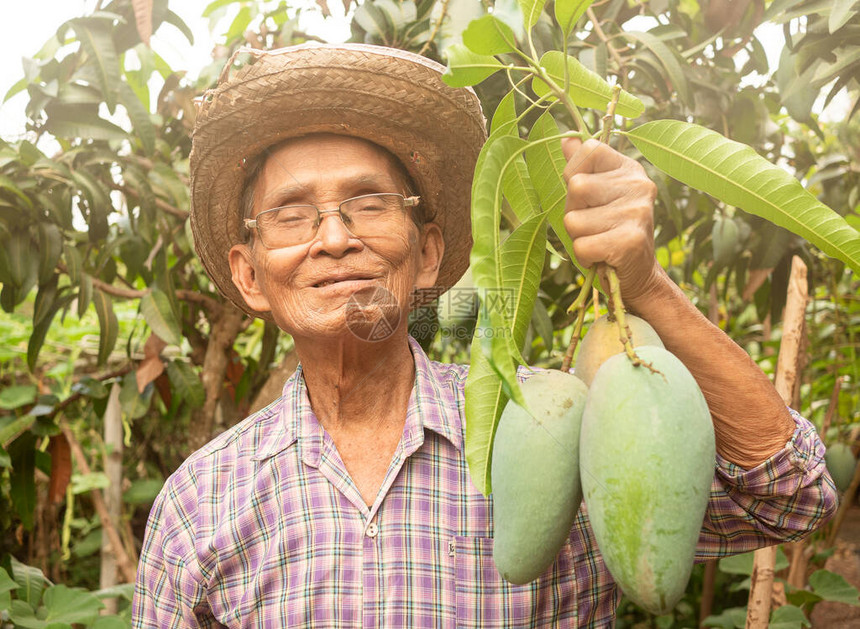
329,282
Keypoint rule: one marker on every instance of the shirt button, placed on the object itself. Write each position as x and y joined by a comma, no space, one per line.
372,530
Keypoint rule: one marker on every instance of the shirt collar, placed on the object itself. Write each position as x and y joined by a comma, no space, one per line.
433,405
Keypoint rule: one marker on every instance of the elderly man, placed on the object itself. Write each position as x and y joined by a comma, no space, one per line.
323,177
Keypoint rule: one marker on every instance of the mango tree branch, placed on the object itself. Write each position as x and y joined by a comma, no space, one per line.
597,29
126,563
436,27
161,204
223,334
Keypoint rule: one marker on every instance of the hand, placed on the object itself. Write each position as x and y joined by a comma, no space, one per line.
609,214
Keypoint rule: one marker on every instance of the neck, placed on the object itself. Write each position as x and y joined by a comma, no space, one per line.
354,384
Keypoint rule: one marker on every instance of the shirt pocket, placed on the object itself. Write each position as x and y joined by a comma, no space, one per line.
485,600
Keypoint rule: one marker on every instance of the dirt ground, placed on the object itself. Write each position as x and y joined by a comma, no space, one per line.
845,561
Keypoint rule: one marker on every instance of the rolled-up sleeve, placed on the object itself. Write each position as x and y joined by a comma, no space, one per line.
170,588
783,499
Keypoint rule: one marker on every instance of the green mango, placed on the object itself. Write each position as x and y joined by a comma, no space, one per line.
647,453
840,463
535,475
601,341
725,240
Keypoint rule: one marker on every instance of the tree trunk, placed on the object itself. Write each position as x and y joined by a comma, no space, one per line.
222,335
786,382
271,389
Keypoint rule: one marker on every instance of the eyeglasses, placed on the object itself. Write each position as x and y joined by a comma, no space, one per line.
366,215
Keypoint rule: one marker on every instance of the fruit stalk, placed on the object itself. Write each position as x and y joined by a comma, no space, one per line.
579,304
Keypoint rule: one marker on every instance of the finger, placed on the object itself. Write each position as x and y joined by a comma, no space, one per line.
586,190
614,247
591,157
606,218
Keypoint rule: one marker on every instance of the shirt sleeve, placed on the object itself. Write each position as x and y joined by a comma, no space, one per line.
170,588
783,499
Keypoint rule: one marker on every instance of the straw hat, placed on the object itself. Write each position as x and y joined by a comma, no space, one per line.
393,98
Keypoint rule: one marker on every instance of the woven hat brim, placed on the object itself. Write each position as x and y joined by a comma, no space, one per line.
390,97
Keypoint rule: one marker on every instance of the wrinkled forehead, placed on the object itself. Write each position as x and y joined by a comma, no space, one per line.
321,144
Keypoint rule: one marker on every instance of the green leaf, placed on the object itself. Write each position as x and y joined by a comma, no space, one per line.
40,330
788,617
11,427
568,12
50,250
546,164
72,122
488,35
45,300
186,383
505,115
795,90
586,89
468,68
70,606
109,622
97,40
833,587
668,58
7,184
142,491
74,262
522,255
19,86
509,282
108,326
531,11
124,590
842,11
493,160
743,564
516,183
31,582
485,400
84,483
22,481
17,395
6,582
85,293
134,404
174,20
737,175
138,113
729,619
158,314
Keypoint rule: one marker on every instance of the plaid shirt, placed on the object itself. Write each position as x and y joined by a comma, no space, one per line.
263,527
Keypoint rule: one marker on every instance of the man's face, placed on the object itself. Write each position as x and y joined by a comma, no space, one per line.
311,288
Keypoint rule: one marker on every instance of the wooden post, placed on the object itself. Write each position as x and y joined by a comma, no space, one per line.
786,382
113,492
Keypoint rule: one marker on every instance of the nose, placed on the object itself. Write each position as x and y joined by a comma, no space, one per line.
333,238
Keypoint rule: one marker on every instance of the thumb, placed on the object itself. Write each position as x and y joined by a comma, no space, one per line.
569,146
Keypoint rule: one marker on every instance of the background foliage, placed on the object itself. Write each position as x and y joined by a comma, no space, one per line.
112,328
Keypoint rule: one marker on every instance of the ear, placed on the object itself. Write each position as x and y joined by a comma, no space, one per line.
245,277
432,249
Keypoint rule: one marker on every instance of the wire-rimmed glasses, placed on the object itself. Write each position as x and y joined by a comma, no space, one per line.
365,215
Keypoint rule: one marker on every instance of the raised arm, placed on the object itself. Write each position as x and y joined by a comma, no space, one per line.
609,216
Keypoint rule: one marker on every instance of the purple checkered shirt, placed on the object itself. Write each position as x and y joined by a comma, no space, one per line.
263,527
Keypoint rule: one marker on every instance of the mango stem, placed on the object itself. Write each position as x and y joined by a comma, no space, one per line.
616,310
580,305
